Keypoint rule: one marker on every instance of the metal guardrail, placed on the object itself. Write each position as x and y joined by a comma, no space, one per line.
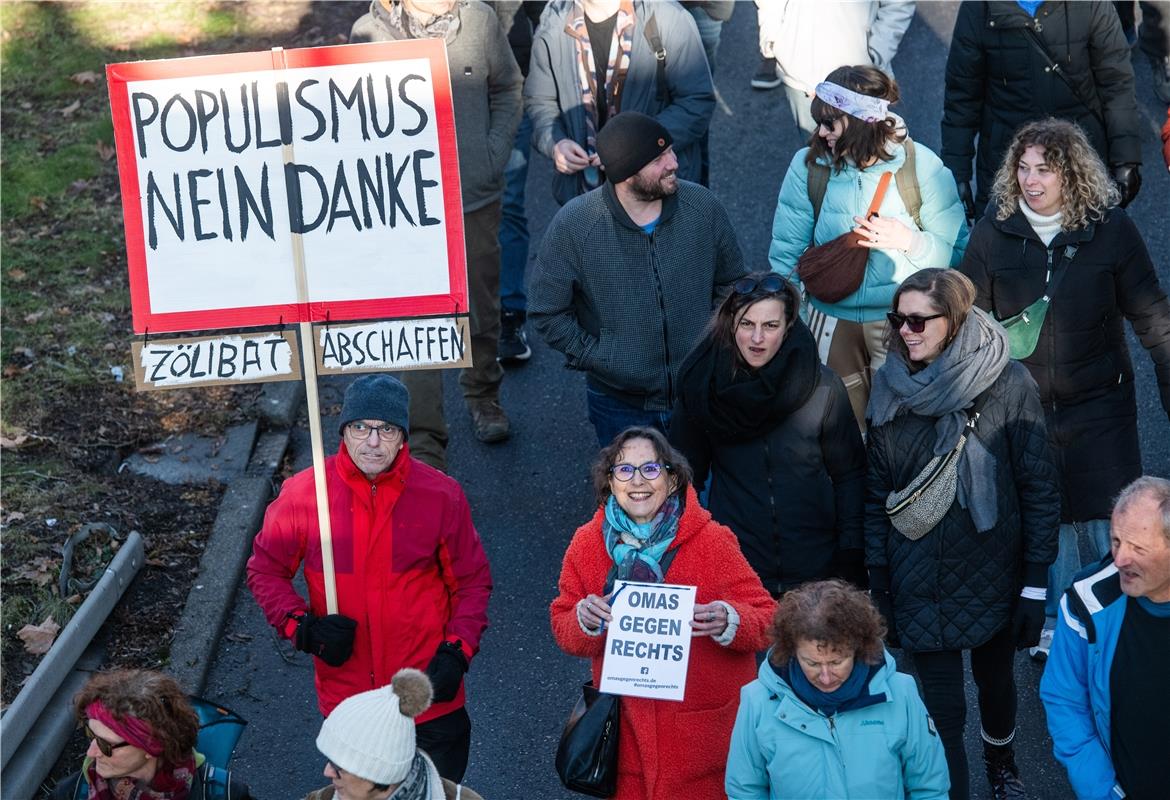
21,764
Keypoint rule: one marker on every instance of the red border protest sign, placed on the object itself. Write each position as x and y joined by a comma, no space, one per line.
225,159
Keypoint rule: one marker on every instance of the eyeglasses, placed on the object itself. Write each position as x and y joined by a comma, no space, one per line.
362,430
106,747
769,283
625,472
915,323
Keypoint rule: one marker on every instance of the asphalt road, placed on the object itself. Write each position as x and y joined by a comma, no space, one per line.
529,494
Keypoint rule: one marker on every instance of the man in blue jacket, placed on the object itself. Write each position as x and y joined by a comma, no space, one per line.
1104,686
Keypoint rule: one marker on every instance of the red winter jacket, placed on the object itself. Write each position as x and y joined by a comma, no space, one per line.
669,750
410,569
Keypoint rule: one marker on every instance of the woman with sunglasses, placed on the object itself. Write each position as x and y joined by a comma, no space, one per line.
919,224
651,528
975,579
1053,229
773,429
142,734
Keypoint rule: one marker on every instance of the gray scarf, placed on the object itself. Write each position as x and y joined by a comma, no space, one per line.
945,389
443,26
417,783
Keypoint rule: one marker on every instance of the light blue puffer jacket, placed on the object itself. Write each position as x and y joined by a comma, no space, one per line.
848,195
886,748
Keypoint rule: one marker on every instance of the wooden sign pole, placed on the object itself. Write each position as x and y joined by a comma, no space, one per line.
309,368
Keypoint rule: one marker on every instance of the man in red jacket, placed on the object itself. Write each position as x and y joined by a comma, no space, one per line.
413,581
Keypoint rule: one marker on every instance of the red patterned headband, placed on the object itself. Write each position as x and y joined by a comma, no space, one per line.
134,730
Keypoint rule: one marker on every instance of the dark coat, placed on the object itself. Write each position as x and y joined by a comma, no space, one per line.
996,81
210,783
793,495
1081,363
955,588
626,306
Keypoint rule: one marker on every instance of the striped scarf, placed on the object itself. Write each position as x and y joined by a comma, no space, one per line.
615,74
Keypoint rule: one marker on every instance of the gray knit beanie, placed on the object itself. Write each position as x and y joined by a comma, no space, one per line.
372,734
376,396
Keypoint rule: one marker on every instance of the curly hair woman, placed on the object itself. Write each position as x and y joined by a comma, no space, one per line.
920,223
1055,247
142,734
830,716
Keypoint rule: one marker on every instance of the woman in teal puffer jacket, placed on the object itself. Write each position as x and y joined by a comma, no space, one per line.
920,223
829,715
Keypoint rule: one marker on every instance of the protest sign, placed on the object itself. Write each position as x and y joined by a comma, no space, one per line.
215,360
224,159
648,644
394,345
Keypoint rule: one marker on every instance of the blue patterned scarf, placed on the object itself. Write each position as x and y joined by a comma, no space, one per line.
637,548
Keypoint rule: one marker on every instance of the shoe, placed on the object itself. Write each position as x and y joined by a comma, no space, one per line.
1002,772
489,420
1040,651
513,344
1161,70
767,75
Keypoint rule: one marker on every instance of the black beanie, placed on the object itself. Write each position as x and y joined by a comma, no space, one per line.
377,396
629,142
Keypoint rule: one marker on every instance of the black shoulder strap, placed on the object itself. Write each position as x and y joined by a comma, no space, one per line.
1070,252
662,89
1053,66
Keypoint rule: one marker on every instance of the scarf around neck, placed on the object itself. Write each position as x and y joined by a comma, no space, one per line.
828,703
637,547
173,783
615,74
734,403
421,783
442,26
944,389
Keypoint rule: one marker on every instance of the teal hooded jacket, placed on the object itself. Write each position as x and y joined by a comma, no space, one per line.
848,195
881,746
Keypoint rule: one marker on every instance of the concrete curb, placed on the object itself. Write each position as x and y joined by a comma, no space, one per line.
280,403
210,600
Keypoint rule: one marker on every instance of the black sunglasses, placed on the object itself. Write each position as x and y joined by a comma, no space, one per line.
769,283
915,323
106,747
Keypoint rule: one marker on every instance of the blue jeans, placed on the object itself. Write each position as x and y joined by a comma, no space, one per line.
1068,557
514,223
611,416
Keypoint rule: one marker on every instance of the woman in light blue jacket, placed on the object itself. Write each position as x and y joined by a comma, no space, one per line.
920,224
829,715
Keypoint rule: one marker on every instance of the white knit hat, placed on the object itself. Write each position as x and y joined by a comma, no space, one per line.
371,735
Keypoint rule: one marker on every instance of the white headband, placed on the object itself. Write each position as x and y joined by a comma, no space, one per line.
862,106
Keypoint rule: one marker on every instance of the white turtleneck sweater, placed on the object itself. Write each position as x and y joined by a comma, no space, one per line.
1046,227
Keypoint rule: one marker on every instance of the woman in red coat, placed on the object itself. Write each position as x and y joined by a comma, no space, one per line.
651,528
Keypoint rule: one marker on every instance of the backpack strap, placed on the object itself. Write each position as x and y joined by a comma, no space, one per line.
217,783
907,180
655,40
818,182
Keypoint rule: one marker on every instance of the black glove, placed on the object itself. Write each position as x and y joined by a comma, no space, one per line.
849,565
1128,178
1027,622
446,671
968,201
885,606
329,638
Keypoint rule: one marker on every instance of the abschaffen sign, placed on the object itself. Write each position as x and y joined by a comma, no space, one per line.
224,159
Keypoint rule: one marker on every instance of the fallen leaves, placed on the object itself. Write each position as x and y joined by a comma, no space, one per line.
42,571
84,78
68,110
15,440
105,151
39,638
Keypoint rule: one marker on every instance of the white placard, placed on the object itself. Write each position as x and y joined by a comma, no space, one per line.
648,644
215,360
393,345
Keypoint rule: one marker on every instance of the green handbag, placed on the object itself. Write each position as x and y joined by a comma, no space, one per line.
1023,329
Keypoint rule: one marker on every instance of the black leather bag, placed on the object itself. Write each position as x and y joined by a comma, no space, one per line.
587,757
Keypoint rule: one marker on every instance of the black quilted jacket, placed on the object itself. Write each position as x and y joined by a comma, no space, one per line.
1081,362
954,588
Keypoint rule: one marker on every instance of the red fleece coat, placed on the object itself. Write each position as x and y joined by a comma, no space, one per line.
671,750
410,569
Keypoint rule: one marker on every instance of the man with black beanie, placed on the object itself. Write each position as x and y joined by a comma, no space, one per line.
628,274
412,578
